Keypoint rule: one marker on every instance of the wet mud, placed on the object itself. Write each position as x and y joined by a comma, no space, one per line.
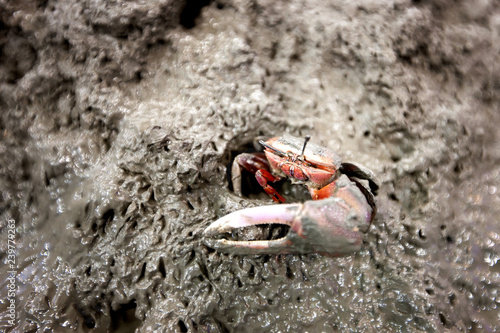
119,122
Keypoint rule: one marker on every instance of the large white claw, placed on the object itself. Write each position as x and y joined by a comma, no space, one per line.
275,214
326,226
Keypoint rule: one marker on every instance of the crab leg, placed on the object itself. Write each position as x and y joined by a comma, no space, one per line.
263,177
249,162
257,164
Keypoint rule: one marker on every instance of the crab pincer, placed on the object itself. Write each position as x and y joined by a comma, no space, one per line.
329,226
332,223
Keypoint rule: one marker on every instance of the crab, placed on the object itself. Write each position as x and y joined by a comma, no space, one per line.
332,223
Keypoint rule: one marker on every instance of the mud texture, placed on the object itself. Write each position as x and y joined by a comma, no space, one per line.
119,120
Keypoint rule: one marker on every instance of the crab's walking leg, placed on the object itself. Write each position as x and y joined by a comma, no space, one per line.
257,164
263,177
249,162
358,171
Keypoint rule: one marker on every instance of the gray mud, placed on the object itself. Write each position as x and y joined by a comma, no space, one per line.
120,119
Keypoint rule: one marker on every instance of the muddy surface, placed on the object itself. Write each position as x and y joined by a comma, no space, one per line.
119,121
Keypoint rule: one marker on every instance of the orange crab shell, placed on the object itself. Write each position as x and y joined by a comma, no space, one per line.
319,166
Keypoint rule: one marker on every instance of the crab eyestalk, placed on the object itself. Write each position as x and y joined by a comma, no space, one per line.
306,139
